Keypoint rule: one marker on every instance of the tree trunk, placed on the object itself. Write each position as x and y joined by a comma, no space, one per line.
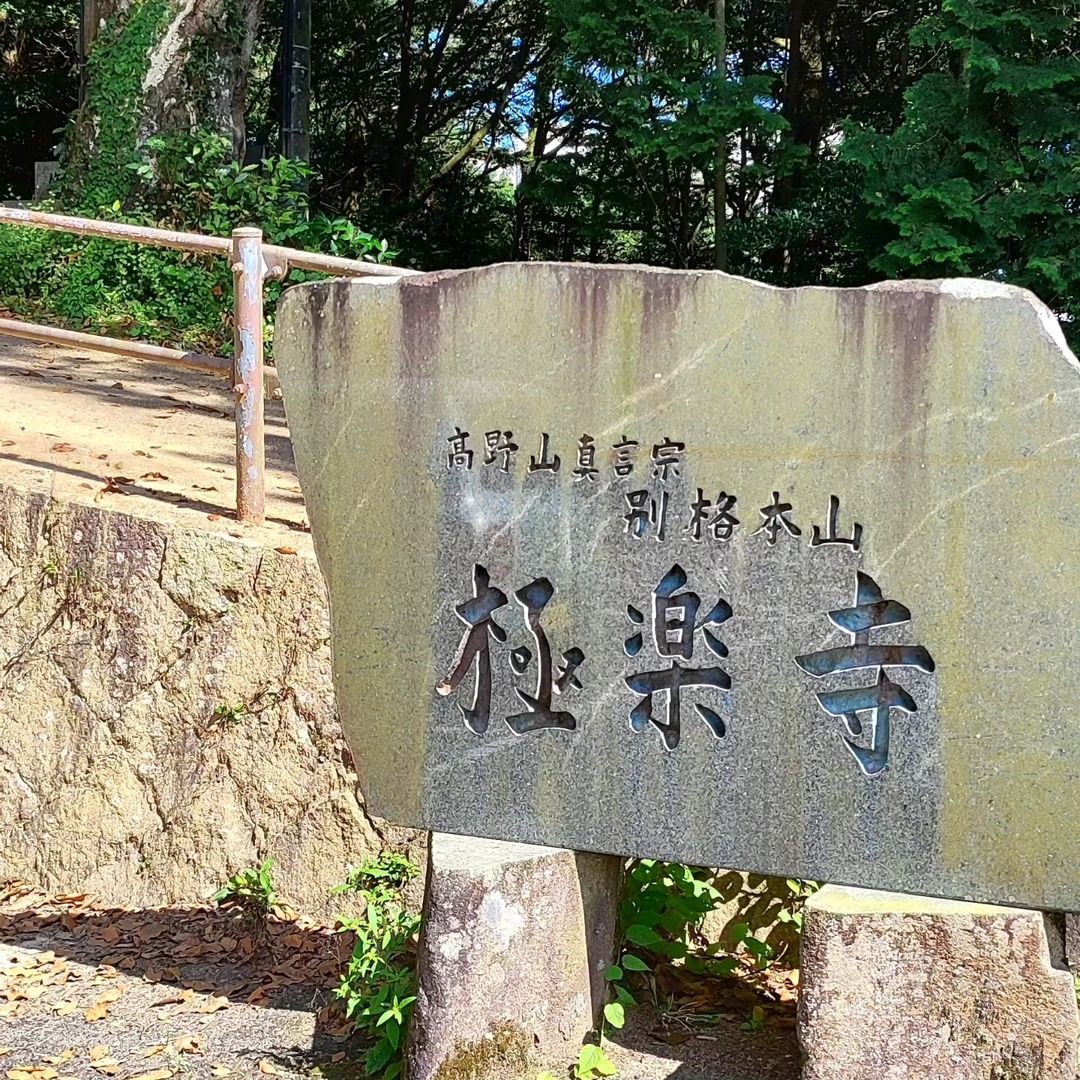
158,67
720,252
535,148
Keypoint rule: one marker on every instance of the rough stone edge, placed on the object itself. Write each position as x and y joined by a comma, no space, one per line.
976,289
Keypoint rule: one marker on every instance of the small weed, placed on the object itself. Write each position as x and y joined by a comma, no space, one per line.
50,571
229,715
592,1062
378,986
251,891
756,1022
760,951
379,880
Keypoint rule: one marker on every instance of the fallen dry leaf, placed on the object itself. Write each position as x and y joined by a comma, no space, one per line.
107,1065
109,996
8,442
176,999
285,550
65,1008
62,448
267,1068
157,1074
150,1051
4,1050
212,1005
153,476
187,1044
110,934
98,1011
98,1052
218,1069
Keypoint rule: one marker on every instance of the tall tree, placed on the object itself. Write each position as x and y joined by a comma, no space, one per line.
983,176
157,67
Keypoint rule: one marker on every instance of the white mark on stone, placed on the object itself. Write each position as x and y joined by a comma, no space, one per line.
958,496
503,919
451,945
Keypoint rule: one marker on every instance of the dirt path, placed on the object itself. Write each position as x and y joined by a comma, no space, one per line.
91,991
141,438
95,992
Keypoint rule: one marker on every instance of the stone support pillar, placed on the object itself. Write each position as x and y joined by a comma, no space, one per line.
909,988
513,951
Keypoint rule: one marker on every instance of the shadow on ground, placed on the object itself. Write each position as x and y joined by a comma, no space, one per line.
190,989
137,437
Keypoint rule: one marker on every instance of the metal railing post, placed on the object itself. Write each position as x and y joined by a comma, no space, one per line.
248,271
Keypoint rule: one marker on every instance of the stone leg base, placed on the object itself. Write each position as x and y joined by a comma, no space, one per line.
908,988
513,950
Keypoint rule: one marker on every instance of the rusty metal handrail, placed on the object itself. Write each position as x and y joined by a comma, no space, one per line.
251,262
140,350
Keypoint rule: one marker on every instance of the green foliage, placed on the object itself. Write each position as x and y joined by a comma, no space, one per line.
381,880
251,891
115,70
660,918
28,260
664,904
185,182
378,986
982,176
229,715
592,1063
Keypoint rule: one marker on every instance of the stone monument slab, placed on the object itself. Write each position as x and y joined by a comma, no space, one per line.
676,564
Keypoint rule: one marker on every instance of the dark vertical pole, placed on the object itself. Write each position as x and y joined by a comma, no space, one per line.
296,80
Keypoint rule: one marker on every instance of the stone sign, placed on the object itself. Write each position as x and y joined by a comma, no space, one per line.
675,564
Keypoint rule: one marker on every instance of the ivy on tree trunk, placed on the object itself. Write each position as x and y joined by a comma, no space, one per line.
156,68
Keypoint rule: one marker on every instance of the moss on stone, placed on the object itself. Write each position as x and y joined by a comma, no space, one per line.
505,1054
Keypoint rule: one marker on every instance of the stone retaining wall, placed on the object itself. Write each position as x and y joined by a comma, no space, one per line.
166,712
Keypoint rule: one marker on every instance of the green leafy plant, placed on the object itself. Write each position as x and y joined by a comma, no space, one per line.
229,715
760,951
189,182
380,880
756,1020
378,985
592,1062
250,891
792,909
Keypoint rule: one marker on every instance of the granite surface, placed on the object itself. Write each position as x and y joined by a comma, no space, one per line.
800,596
897,987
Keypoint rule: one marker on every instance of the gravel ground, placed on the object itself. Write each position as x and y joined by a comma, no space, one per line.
92,992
